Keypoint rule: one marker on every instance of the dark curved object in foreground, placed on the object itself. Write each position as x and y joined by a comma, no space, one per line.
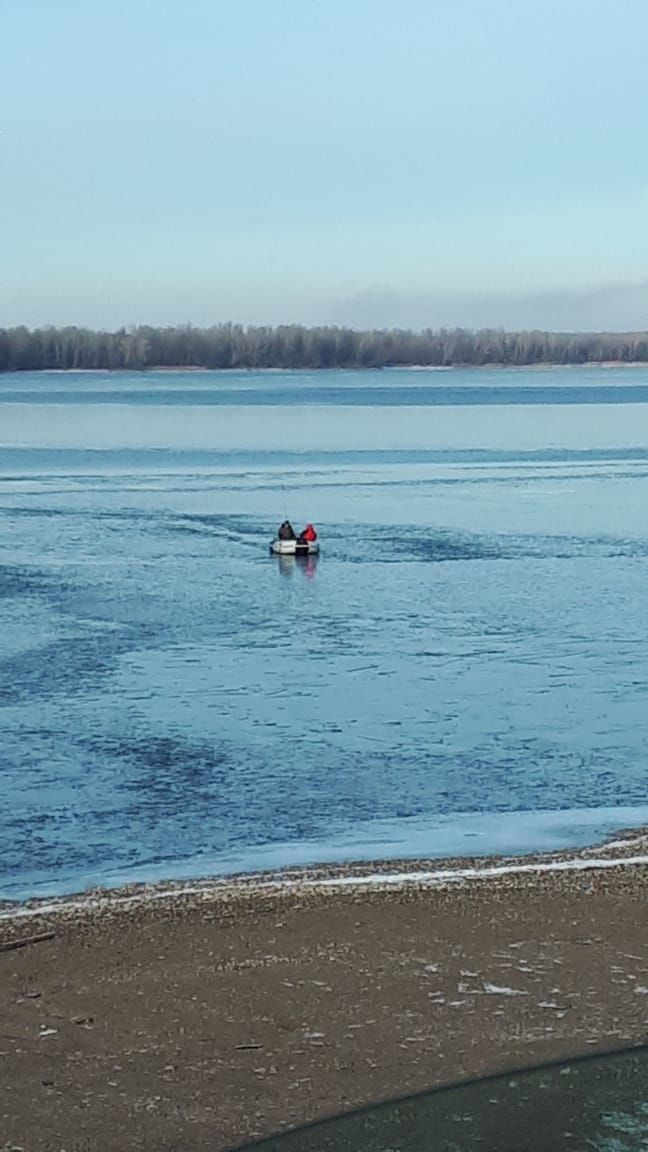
592,1104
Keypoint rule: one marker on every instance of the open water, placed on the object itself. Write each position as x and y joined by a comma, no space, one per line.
464,670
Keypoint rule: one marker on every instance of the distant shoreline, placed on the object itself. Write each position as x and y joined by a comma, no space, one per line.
295,347
197,369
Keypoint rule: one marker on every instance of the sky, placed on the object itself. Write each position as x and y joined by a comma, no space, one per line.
367,162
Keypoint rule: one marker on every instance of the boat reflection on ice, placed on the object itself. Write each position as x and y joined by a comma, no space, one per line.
307,564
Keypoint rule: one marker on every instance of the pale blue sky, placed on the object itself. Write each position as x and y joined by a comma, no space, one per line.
362,161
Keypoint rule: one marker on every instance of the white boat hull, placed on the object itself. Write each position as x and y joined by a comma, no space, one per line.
294,548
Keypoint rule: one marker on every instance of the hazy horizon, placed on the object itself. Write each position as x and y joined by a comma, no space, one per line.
369,165
619,309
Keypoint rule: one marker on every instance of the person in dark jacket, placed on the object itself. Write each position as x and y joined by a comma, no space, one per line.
286,531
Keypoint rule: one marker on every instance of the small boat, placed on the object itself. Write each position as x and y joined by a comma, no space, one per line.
294,548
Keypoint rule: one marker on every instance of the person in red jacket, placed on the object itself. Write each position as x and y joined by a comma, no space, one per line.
308,536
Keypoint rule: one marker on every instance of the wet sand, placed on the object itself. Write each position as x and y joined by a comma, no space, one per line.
199,1017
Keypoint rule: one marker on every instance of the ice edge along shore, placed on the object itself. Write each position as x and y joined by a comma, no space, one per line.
310,879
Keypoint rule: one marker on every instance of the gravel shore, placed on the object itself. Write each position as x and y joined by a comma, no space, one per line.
190,1017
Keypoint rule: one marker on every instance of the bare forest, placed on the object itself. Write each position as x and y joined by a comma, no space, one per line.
293,346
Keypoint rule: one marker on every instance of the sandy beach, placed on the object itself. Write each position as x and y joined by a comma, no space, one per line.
201,1017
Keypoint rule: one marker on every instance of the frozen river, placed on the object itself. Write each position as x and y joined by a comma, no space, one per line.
465,670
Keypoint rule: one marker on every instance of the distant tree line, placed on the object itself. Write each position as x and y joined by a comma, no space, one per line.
294,346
